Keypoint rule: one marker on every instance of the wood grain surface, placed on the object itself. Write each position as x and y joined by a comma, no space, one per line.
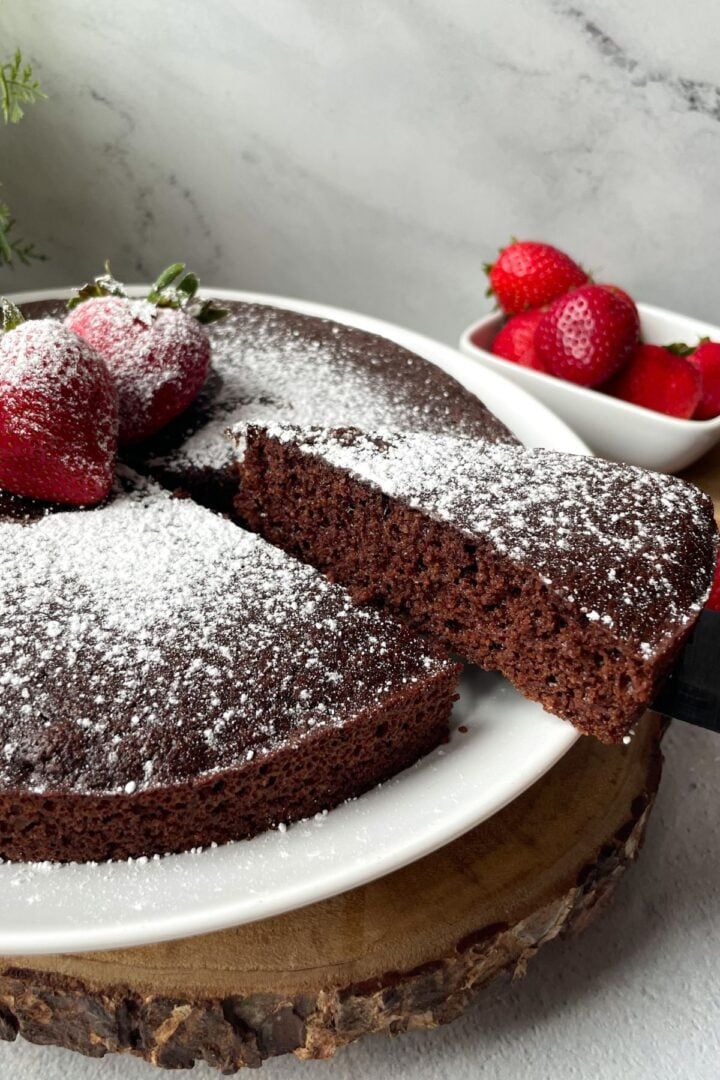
410,950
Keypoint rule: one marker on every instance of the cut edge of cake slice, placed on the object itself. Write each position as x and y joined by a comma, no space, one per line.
576,578
172,681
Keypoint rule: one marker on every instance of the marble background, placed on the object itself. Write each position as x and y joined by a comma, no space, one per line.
374,155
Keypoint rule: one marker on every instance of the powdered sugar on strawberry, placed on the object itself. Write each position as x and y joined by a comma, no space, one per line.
157,356
58,415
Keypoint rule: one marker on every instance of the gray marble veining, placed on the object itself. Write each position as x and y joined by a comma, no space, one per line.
374,154
370,155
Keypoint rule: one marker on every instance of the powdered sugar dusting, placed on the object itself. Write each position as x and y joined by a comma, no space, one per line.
36,353
149,641
274,365
633,550
59,413
149,350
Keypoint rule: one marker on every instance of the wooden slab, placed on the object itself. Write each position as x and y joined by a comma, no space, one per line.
408,951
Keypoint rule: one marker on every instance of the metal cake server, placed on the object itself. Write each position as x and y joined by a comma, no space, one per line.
692,690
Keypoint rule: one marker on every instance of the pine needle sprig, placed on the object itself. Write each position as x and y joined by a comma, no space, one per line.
18,88
12,248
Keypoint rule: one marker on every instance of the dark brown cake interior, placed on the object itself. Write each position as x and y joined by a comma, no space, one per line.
298,779
535,617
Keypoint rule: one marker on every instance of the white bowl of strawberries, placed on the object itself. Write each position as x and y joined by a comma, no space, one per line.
638,383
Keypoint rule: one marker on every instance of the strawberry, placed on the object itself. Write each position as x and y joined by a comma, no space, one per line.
157,349
527,274
586,336
659,379
516,340
706,358
713,600
58,413
622,295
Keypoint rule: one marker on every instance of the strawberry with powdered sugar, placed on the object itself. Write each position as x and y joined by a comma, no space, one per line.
58,413
157,349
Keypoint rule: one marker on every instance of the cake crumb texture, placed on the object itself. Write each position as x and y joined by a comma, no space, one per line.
577,578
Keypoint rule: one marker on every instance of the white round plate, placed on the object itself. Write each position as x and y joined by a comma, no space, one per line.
508,745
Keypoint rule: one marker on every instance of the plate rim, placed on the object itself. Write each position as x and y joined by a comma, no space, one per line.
156,928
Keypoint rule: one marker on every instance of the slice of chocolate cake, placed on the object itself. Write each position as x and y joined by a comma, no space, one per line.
168,680
576,578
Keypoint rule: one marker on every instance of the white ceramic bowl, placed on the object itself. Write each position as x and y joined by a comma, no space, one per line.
612,428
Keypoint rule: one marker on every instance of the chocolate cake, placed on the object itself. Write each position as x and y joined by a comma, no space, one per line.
168,680
273,365
577,579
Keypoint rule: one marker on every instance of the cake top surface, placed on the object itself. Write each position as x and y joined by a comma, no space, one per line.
274,365
633,550
150,641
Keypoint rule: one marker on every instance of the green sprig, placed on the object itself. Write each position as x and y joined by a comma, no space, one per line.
18,88
12,247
